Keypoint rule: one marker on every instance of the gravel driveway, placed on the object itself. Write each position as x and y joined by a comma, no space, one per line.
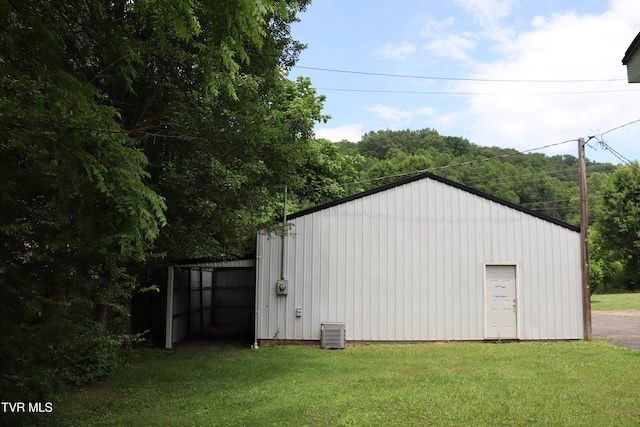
622,327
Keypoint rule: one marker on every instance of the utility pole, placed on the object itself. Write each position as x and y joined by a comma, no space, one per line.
584,242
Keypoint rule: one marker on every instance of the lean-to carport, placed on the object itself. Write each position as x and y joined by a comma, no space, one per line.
210,297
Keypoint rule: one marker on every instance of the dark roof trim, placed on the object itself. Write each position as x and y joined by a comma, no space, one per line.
439,179
632,48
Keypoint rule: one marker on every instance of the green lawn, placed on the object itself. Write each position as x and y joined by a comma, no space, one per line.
456,384
615,301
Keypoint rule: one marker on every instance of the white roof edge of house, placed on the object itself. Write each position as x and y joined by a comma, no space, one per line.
633,47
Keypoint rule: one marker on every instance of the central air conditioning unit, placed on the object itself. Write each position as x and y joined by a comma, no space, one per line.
333,335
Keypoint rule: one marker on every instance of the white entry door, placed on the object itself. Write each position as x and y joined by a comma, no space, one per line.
500,302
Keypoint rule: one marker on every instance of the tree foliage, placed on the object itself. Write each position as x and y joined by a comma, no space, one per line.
131,129
617,228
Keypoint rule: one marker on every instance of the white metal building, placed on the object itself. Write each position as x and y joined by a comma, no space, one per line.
423,259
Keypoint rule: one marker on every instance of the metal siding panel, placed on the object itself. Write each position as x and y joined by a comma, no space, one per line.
273,305
388,248
376,241
411,248
447,262
556,291
463,267
424,260
316,268
351,260
300,269
574,286
323,264
342,264
535,304
487,234
274,255
575,282
416,261
440,284
478,266
297,287
551,270
456,260
494,232
570,284
309,309
332,266
546,315
540,313
354,330
525,278
281,330
433,262
402,251
371,288
476,316
562,327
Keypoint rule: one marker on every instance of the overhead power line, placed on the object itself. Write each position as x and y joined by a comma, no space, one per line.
409,92
366,73
607,147
620,127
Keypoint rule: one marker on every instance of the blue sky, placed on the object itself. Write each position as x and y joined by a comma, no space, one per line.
476,40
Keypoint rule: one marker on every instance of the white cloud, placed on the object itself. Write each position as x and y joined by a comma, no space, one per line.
432,27
488,12
399,115
451,46
351,133
490,15
398,52
565,46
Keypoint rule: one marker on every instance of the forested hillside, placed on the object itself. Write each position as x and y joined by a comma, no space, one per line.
546,184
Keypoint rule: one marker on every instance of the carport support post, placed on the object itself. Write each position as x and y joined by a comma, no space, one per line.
168,340
584,242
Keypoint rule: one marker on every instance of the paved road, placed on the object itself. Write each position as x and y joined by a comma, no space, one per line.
622,327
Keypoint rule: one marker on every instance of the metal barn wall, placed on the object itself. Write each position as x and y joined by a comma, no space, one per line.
408,263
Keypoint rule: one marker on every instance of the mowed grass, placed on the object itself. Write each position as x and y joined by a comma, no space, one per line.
446,384
616,301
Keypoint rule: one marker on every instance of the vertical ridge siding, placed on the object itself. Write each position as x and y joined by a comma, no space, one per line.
408,263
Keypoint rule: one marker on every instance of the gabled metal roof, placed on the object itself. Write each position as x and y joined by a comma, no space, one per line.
428,175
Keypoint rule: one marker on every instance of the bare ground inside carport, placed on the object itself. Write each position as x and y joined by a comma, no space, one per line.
217,336
620,327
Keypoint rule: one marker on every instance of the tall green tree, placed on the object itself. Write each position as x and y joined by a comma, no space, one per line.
90,91
617,225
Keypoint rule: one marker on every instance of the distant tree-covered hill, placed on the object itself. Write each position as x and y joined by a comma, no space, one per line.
546,184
